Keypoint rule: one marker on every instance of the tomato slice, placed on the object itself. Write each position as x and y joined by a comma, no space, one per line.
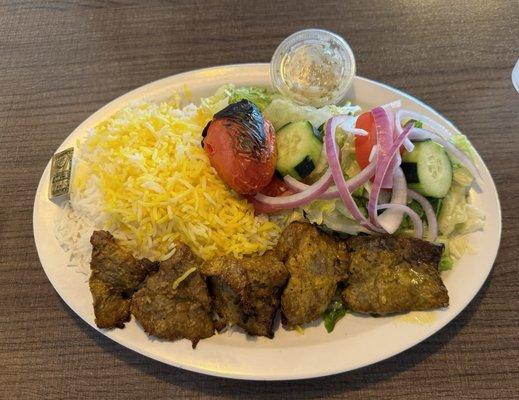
364,144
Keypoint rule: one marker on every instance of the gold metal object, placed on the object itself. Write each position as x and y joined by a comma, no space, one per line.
60,174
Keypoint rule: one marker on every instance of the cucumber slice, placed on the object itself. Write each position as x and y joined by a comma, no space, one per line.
428,169
299,149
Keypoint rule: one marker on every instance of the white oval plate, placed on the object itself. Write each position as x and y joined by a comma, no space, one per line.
355,342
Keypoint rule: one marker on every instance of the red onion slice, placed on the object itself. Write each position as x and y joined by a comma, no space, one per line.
403,113
417,222
420,134
332,193
298,199
408,145
432,223
384,129
390,220
332,154
382,170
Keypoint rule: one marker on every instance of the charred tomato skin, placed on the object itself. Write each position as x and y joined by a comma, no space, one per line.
241,146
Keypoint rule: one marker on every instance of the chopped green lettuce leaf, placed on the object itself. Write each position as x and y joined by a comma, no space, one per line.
333,314
286,217
362,203
457,215
457,219
281,111
407,222
417,124
436,204
453,210
316,210
474,220
217,102
332,214
446,263
463,144
228,94
462,176
259,96
458,245
455,247
349,165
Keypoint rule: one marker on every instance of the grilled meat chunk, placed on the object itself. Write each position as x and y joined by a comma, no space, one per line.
316,262
116,274
174,303
391,274
247,291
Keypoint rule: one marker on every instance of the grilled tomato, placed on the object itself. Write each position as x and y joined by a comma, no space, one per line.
241,146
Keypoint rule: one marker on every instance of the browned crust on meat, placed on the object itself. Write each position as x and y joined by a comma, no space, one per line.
169,312
116,274
391,274
316,262
247,291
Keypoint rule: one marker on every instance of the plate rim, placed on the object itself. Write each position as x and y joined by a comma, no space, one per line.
264,377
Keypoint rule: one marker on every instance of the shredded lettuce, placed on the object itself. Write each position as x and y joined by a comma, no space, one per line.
458,245
446,263
316,210
463,144
453,210
217,102
457,215
281,111
332,214
417,124
228,94
456,219
407,222
259,96
455,247
349,165
474,220
286,217
462,176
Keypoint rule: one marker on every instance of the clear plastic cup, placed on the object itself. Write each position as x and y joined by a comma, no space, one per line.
314,67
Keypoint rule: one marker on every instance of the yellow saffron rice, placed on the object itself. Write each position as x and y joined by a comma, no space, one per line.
155,185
